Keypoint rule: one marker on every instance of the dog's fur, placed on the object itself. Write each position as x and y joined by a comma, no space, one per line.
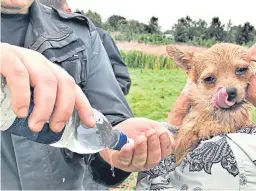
204,120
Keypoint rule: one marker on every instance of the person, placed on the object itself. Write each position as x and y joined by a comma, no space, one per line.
119,67
60,58
223,158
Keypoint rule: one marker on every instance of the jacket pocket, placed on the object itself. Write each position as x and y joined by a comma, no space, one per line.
76,67
72,58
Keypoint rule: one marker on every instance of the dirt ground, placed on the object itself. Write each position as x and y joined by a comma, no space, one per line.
158,50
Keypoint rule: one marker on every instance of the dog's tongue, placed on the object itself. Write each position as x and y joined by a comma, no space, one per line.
220,99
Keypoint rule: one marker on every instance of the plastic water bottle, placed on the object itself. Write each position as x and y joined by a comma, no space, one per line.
75,136
81,139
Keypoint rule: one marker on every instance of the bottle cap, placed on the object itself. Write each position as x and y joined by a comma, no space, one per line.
123,139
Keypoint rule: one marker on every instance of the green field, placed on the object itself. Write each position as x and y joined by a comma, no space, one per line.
153,92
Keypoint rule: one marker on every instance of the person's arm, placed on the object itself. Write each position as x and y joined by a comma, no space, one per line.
105,95
120,68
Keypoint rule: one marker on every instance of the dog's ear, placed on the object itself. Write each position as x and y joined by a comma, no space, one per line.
181,59
252,53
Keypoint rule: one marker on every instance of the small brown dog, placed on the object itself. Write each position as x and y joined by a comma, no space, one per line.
221,76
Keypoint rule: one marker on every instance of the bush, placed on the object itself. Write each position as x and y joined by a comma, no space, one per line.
201,42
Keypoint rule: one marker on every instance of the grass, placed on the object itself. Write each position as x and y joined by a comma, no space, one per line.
152,95
154,91
138,59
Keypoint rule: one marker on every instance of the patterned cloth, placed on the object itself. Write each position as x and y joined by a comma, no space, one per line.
224,162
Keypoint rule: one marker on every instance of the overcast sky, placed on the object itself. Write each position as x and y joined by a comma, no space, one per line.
168,11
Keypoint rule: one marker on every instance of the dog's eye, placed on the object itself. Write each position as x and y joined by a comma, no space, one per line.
241,71
210,80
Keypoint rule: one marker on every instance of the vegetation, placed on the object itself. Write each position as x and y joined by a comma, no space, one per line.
153,92
185,30
157,39
137,59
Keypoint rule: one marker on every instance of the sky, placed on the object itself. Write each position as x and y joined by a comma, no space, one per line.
169,11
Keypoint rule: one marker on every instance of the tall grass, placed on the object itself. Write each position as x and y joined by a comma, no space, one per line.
137,59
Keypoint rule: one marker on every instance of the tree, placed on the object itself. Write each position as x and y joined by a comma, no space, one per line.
115,20
136,26
245,33
229,25
231,32
216,30
153,26
182,31
200,29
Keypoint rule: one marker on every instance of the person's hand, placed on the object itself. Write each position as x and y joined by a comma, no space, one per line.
55,91
152,143
181,106
252,87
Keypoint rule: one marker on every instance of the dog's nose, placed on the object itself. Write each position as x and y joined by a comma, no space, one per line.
232,93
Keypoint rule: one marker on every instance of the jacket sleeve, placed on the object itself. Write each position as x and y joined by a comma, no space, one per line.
104,94
120,68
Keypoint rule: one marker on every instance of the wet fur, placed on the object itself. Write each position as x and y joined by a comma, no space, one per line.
204,120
